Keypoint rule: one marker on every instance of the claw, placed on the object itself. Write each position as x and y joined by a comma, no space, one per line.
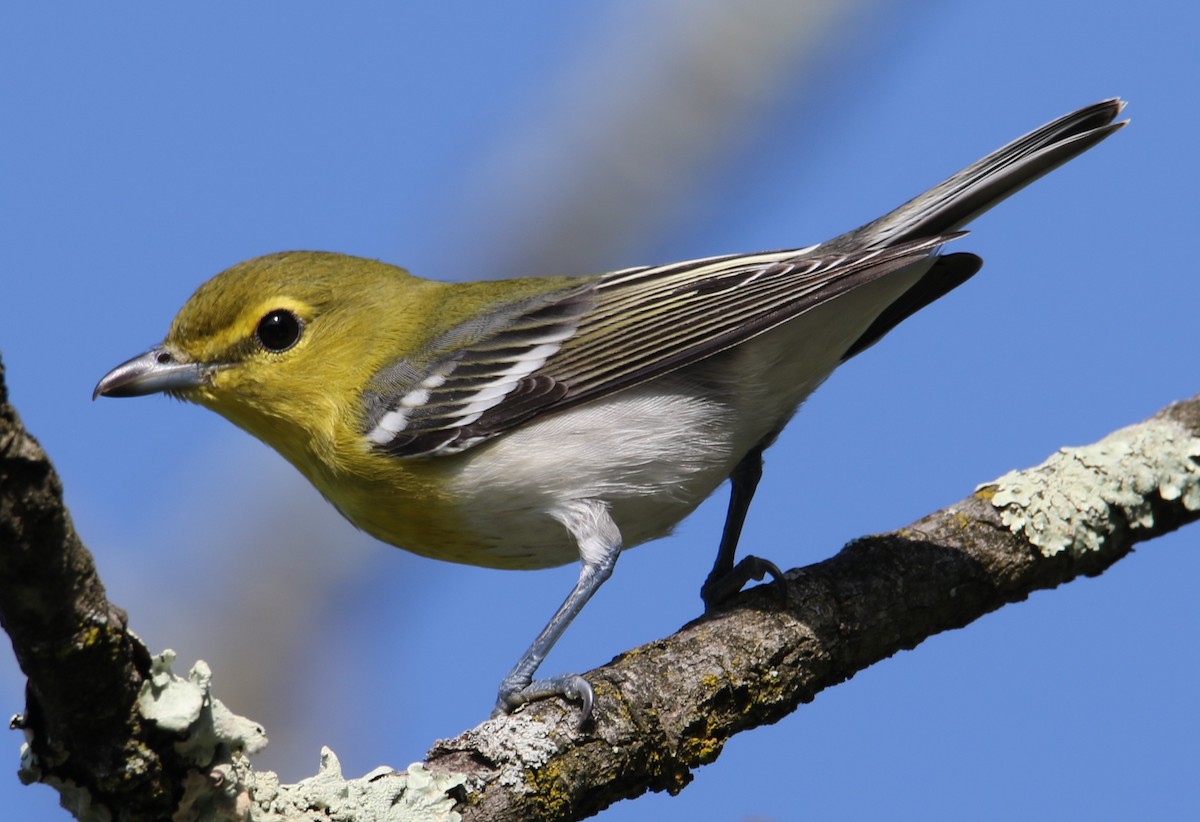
570,687
717,591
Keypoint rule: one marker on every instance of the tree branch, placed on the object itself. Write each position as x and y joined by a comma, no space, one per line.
112,728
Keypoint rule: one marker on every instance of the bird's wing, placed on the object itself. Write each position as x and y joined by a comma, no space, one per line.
604,334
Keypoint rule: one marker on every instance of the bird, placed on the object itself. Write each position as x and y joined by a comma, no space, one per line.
534,422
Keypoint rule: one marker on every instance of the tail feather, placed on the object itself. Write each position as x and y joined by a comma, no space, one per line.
962,197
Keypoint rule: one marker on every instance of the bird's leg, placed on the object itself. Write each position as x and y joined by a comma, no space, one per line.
726,579
599,545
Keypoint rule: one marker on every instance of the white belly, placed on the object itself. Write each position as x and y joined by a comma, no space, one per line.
651,456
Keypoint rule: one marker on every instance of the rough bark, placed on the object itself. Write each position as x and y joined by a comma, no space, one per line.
84,668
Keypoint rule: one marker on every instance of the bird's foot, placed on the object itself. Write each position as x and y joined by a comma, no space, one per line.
572,687
717,589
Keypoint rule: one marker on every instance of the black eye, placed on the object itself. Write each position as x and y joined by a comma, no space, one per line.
278,330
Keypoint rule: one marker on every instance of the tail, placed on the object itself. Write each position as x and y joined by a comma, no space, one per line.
953,203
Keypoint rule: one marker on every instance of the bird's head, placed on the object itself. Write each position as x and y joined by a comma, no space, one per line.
281,345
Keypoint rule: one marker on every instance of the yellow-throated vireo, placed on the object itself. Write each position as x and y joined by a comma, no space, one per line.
527,423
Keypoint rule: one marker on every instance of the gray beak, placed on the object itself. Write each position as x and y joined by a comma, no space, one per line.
154,372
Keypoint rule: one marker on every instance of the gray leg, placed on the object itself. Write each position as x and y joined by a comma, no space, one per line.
599,545
726,578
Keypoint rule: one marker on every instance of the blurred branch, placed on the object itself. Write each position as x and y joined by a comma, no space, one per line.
652,102
111,728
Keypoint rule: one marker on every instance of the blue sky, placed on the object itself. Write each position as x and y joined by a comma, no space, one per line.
146,150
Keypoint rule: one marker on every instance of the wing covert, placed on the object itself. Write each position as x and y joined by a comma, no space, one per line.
608,333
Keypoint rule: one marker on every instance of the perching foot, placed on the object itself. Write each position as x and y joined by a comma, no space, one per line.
717,589
570,687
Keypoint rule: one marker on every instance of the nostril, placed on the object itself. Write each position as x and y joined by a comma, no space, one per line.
163,358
